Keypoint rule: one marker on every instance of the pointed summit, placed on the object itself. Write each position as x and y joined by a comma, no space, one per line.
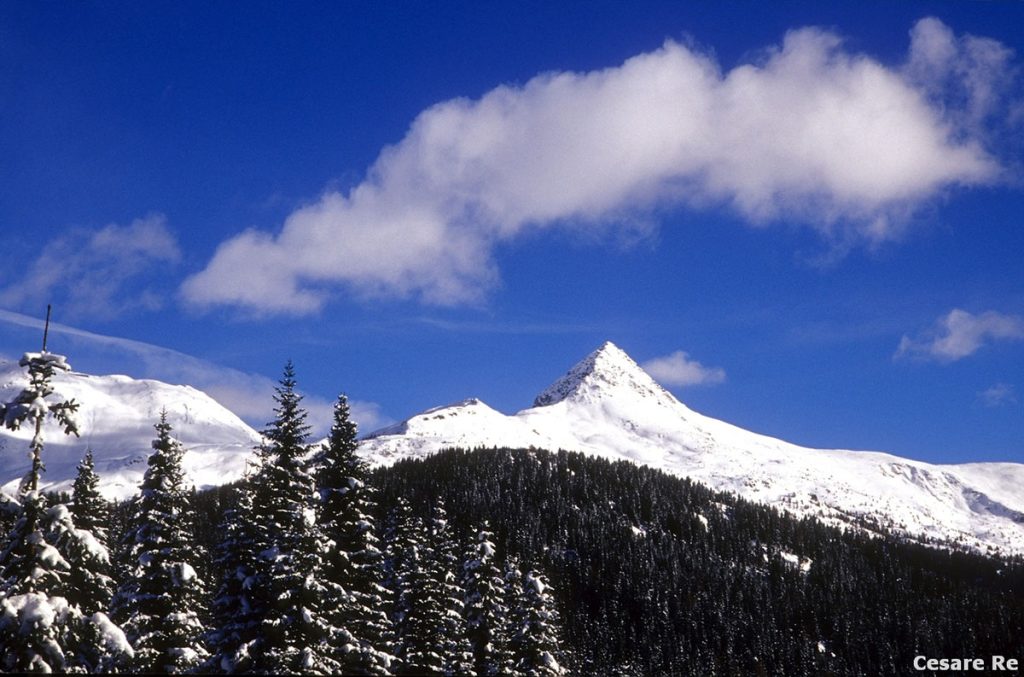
606,372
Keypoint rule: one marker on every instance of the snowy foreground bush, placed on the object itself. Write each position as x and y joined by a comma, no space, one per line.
46,634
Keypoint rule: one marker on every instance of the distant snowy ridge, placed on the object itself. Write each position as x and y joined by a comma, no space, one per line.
608,406
115,419
605,406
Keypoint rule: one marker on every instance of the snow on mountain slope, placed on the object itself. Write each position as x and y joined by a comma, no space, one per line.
608,406
115,419
461,424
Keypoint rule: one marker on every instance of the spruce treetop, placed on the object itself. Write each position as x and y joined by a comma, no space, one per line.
289,429
86,480
341,472
30,402
344,432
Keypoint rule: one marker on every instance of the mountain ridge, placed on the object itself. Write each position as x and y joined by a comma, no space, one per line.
116,418
607,406
604,406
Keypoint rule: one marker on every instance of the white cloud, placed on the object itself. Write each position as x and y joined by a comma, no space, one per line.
677,369
998,395
810,132
960,334
248,395
98,273
972,70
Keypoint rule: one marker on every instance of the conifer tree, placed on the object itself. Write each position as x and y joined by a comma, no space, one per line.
536,642
32,574
26,562
486,612
31,405
430,629
41,629
293,634
84,542
240,603
161,603
416,641
89,509
445,574
512,598
88,583
353,564
94,643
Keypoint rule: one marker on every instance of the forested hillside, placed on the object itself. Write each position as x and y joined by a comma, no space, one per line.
656,574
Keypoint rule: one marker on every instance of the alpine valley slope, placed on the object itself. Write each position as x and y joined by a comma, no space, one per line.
608,406
115,419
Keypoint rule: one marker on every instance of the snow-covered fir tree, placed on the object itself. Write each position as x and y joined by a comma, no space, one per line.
353,561
28,563
40,632
31,405
416,643
240,603
95,644
37,624
161,604
512,598
84,542
292,635
445,569
536,642
486,611
88,507
88,583
43,627
429,626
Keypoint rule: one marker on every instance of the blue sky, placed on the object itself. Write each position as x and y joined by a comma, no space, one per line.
804,218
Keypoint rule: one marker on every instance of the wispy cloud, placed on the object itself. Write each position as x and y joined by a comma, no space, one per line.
810,132
99,273
974,70
248,395
960,334
677,369
998,395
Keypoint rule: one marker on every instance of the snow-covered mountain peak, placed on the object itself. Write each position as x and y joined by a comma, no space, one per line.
608,406
606,373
